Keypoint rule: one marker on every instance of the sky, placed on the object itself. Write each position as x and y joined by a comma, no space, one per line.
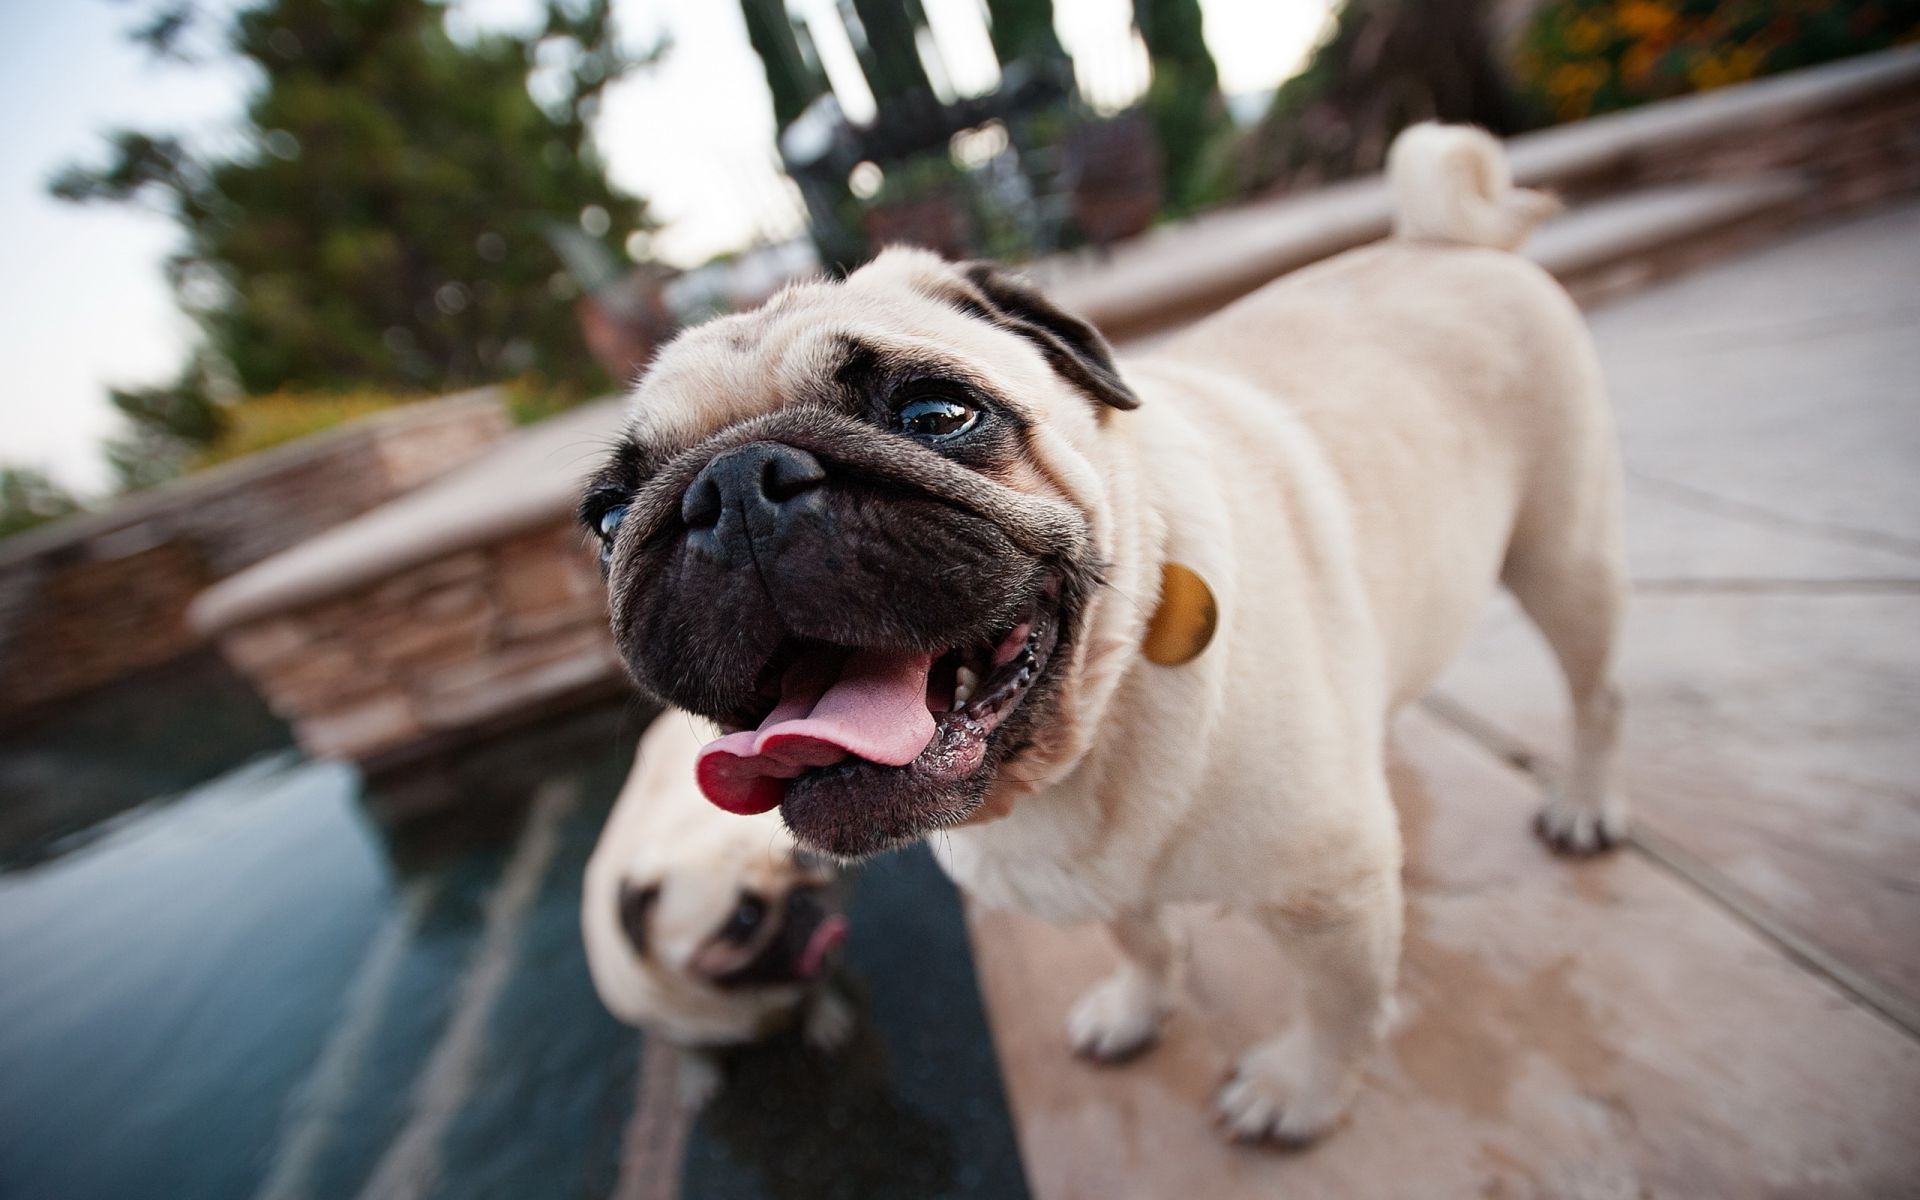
84,305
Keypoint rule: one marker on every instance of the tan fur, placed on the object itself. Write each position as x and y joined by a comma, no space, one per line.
1451,184
1352,457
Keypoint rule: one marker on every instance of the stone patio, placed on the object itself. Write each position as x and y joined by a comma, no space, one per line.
1726,1008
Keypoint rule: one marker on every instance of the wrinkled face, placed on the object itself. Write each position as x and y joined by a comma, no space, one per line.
850,529
773,924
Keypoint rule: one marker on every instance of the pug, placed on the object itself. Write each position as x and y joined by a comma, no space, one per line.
708,930
1131,634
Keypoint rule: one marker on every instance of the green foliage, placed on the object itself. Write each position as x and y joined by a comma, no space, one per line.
267,421
30,497
1023,30
385,223
1579,57
165,426
1183,99
533,398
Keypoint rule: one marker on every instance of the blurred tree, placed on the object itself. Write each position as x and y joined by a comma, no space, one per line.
1023,30
30,497
794,80
1183,99
384,221
890,57
1383,65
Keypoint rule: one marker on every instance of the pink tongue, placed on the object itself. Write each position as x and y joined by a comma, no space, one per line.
875,709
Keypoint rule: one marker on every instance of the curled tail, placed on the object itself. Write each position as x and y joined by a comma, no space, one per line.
1451,183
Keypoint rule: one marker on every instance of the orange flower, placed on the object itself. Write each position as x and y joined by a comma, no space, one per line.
1646,18
1709,72
1586,34
1639,62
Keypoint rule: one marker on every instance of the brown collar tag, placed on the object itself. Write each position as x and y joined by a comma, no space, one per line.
1185,621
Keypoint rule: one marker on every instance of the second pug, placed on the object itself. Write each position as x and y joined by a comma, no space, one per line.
707,930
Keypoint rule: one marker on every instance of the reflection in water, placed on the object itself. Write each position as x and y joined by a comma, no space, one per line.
915,1109
852,1137
261,989
67,769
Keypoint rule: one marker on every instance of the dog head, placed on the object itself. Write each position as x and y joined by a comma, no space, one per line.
861,529
705,926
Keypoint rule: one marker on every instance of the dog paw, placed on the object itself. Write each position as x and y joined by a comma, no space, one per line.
1578,829
829,1022
1117,1018
1278,1097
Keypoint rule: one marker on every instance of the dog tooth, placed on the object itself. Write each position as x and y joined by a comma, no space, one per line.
966,680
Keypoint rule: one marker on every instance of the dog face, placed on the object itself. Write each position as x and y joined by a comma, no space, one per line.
754,922
859,529
707,928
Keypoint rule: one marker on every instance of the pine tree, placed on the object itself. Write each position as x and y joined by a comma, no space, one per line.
29,497
385,221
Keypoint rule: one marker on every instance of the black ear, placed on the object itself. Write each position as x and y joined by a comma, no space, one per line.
1074,348
636,905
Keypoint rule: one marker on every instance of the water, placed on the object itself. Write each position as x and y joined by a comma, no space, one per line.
226,971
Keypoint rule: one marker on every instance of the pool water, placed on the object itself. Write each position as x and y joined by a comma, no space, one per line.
263,983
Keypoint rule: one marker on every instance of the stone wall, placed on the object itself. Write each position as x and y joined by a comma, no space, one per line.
1817,166
1850,156
494,634
90,600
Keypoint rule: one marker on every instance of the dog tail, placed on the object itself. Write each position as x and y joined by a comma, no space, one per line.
1451,183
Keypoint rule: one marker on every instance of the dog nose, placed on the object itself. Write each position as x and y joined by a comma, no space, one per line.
752,488
757,475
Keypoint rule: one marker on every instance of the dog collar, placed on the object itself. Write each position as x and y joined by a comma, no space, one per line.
1185,620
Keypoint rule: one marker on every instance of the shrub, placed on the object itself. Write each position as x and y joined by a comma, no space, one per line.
261,422
1576,58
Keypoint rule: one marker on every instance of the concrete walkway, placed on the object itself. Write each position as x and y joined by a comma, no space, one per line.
1727,1008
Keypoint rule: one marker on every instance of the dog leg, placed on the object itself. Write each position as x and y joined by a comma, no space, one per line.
1576,602
1120,1016
1295,1087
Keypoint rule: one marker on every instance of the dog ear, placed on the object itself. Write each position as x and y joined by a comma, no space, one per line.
1073,347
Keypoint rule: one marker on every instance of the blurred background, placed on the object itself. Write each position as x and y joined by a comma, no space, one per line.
314,316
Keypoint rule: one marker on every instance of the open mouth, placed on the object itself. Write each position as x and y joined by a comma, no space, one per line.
842,719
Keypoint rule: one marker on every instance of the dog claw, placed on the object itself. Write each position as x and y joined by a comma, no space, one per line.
1117,1020
1270,1100
1579,832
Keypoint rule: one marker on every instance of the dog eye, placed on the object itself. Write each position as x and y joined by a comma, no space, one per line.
746,918
935,418
607,525
610,521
